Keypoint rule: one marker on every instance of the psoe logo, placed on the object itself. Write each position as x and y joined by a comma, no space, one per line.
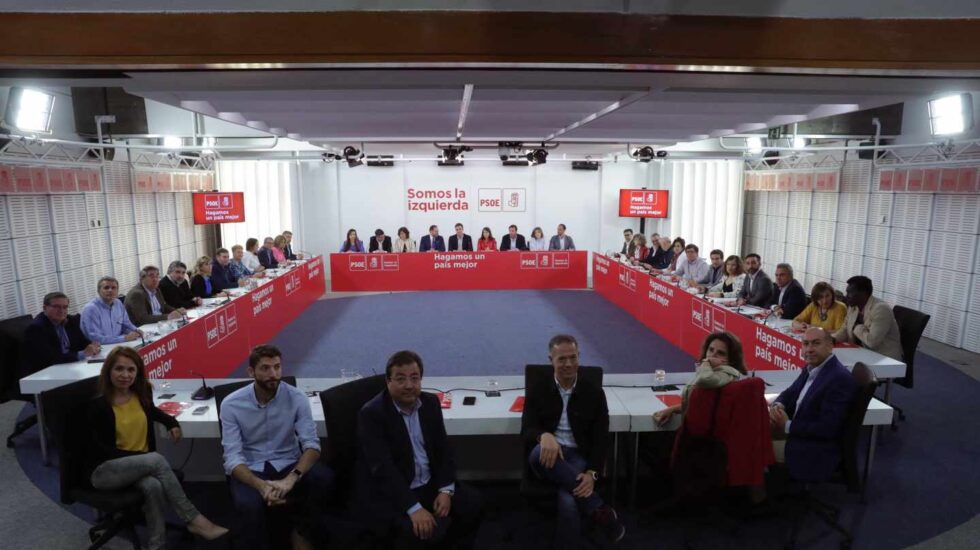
502,199
357,262
529,261
215,201
646,198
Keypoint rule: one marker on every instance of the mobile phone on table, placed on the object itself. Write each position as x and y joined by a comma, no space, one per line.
201,410
469,400
166,396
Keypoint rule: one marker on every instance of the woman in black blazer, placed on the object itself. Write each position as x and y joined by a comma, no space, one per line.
201,285
122,451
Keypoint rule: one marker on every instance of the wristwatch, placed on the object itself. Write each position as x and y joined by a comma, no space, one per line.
594,474
449,492
297,472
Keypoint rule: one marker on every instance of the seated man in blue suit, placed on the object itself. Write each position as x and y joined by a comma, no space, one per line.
811,412
406,479
787,294
432,242
54,337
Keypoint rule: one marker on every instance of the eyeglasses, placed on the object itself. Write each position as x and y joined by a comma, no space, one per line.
58,307
402,380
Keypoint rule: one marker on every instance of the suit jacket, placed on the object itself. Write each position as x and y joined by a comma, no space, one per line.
386,462
660,258
288,251
879,332
44,345
627,248
426,244
221,277
588,415
139,309
177,295
467,242
555,243
385,245
813,446
102,433
266,258
505,243
761,289
200,289
794,299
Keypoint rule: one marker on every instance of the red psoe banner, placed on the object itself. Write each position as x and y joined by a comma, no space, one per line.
219,208
684,320
459,271
643,203
228,333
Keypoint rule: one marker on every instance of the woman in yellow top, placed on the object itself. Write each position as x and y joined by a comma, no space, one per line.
823,311
122,451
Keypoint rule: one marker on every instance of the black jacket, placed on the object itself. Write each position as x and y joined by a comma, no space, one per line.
44,346
588,415
505,243
178,296
199,289
288,252
386,245
467,242
386,463
660,259
267,259
102,431
794,299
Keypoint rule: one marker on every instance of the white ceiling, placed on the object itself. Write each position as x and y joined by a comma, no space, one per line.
406,105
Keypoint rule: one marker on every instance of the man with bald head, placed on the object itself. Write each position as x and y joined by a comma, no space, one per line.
808,417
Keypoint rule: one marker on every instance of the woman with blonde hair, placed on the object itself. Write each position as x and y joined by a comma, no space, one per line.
201,285
122,449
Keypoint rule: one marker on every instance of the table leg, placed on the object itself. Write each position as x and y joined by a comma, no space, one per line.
872,443
634,476
41,432
615,469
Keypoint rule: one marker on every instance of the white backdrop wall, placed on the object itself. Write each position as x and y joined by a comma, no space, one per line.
332,198
919,249
269,187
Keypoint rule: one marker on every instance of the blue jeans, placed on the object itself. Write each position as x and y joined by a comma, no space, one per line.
306,499
570,508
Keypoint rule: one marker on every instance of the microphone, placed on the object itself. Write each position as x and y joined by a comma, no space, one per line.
142,339
204,392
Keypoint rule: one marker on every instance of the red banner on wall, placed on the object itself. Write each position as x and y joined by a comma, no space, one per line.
219,207
643,203
229,332
459,270
684,319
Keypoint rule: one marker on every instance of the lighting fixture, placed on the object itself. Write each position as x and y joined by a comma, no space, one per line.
353,156
952,114
29,110
380,160
643,154
453,156
754,145
537,156
585,165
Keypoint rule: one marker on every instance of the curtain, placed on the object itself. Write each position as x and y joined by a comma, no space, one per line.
705,204
268,198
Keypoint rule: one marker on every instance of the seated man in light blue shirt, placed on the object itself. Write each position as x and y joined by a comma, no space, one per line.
104,319
406,472
272,452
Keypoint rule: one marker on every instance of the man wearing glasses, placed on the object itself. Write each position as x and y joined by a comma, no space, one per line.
54,337
407,475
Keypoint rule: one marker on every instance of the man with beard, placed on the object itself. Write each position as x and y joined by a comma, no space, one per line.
175,287
272,453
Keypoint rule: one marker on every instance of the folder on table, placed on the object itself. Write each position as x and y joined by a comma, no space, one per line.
518,405
670,399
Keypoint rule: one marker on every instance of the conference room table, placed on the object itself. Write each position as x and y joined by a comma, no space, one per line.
481,270
629,397
213,340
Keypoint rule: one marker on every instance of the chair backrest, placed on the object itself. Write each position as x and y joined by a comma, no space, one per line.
12,355
224,390
867,384
911,325
341,405
65,419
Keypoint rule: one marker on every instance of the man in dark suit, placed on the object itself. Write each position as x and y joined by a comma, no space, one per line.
513,240
144,302
432,242
460,240
288,249
566,426
787,297
380,242
175,287
810,413
758,285
628,245
406,472
266,258
54,337
221,277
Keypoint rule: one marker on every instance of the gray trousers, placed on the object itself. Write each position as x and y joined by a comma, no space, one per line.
151,474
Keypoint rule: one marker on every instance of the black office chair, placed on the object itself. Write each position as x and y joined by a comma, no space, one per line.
539,496
911,325
118,511
12,368
848,473
341,405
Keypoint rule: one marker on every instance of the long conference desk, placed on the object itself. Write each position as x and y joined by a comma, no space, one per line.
216,338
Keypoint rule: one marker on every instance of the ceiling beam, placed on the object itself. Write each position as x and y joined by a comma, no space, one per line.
464,108
605,111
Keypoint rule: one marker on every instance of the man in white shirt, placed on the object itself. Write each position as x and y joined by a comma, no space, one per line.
691,268
249,259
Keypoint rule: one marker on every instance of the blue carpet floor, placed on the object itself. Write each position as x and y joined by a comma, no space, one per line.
924,480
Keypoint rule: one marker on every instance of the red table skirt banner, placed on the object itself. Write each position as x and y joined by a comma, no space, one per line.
459,270
684,319
226,335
